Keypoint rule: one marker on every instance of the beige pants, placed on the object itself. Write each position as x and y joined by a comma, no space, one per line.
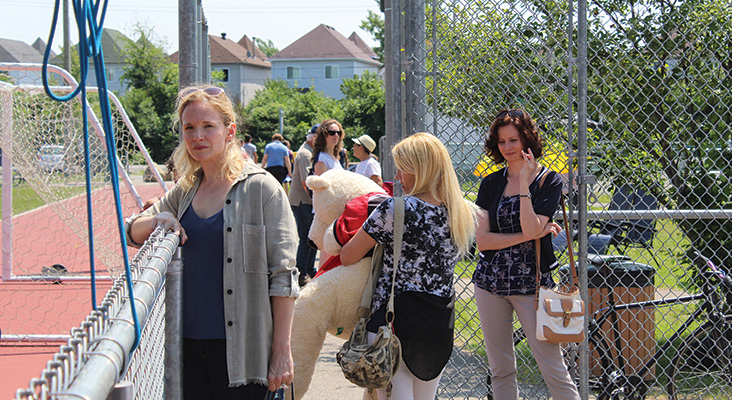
496,317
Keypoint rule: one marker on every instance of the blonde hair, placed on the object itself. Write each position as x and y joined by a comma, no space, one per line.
188,168
424,156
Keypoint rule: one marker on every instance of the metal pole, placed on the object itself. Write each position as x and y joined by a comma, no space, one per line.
282,117
6,124
174,328
585,178
392,74
67,37
415,79
187,42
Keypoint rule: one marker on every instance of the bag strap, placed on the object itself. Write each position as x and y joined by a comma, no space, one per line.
575,279
377,261
537,247
398,231
572,266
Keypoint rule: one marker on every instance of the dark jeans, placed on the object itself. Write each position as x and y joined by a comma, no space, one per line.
279,172
305,254
205,375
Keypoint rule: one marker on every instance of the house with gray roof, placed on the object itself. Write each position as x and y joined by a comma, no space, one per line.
113,44
321,59
20,52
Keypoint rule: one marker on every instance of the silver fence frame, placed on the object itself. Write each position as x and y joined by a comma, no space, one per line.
99,351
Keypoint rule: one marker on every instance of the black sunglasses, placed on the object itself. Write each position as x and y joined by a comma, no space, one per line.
333,133
510,113
209,90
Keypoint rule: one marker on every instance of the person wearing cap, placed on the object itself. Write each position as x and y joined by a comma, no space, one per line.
363,146
276,158
302,207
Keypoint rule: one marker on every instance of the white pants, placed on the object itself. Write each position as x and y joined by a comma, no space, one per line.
406,386
496,320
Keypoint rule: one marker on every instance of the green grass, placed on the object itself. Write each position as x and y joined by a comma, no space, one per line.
25,197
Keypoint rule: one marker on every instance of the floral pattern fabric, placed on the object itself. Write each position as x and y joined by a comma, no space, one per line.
511,271
428,255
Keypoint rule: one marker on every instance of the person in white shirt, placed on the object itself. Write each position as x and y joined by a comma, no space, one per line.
363,146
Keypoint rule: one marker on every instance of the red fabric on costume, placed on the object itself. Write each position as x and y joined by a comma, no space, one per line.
354,215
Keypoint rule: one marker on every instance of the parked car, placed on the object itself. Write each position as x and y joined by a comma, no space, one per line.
51,158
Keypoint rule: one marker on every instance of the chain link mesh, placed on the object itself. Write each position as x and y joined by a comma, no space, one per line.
46,269
658,145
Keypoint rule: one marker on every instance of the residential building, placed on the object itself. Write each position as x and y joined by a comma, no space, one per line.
16,51
242,66
322,59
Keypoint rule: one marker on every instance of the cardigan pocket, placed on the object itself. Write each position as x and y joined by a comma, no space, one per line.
254,248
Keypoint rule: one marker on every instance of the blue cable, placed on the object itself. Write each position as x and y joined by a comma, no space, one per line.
91,46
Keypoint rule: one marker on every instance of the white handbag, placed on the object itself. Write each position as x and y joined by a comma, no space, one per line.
560,314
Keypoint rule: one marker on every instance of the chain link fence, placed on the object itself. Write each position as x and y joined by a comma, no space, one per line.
649,84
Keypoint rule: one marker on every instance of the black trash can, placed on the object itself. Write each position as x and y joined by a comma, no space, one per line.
627,282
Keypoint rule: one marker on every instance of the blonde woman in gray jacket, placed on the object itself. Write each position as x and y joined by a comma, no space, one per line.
239,244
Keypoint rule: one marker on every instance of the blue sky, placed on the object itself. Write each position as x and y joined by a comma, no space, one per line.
282,21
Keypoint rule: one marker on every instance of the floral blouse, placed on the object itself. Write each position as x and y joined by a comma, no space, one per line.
511,271
428,255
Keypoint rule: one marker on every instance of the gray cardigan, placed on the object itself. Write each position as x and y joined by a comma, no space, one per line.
260,244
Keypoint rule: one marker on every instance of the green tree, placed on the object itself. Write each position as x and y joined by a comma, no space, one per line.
150,96
364,106
267,47
660,84
301,109
374,24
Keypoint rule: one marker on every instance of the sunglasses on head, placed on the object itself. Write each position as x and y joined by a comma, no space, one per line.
209,90
510,113
333,133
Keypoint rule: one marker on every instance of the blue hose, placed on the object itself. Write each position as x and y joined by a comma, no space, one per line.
91,46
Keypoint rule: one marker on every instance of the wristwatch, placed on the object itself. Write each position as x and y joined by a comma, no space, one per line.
526,195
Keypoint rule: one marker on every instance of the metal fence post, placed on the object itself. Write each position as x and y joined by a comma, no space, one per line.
392,73
415,86
174,327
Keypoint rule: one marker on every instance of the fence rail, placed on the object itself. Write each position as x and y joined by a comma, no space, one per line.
99,351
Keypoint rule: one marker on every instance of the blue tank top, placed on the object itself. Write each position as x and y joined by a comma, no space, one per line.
203,276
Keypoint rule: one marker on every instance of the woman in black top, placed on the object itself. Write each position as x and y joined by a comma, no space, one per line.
438,229
518,203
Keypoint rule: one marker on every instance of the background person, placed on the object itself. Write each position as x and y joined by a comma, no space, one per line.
363,146
327,155
517,209
249,148
302,207
239,276
438,229
276,158
328,146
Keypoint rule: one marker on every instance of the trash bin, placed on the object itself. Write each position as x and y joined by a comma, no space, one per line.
628,282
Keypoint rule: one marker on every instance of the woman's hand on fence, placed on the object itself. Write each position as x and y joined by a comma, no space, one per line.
170,223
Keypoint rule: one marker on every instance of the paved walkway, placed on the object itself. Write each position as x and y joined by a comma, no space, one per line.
328,382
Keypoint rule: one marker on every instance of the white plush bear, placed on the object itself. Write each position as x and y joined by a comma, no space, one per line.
330,301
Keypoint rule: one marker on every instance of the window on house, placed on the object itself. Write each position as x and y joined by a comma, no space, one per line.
331,72
110,74
293,72
225,71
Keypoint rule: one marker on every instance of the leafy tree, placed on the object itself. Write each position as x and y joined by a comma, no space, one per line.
151,94
662,81
364,106
301,108
374,24
267,47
